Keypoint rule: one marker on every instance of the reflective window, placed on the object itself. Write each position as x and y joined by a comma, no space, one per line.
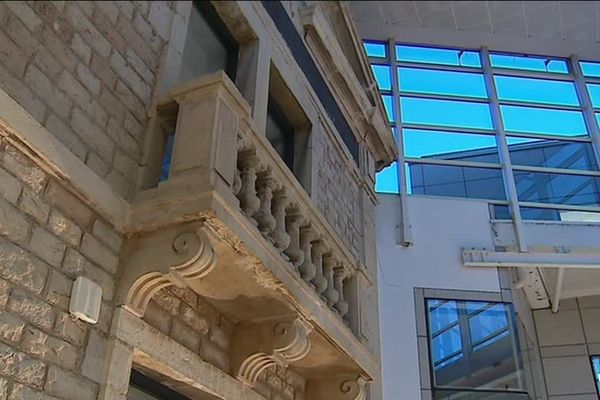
386,180
420,143
551,153
416,80
596,367
594,91
551,214
377,50
591,69
468,337
388,104
429,55
529,63
536,90
456,181
382,76
445,113
543,120
280,133
542,187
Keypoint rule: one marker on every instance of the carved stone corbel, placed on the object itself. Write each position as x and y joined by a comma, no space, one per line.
339,388
160,259
258,347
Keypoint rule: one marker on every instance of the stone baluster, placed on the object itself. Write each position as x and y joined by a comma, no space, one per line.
339,274
294,220
249,201
319,281
330,294
237,182
307,269
266,185
281,239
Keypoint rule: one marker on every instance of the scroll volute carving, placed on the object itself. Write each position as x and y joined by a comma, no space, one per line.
351,387
168,257
258,347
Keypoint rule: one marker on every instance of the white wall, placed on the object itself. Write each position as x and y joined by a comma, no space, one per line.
441,228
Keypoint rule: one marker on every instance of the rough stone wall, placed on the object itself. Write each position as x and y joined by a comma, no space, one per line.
193,323
278,383
338,194
47,238
87,72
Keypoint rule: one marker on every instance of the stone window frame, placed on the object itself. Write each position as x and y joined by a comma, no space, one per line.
420,297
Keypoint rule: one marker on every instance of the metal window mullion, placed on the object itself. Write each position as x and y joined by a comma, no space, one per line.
586,105
509,180
403,230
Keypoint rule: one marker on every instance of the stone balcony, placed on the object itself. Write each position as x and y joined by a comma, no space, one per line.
234,224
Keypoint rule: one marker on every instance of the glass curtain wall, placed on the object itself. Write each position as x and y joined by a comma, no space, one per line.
451,140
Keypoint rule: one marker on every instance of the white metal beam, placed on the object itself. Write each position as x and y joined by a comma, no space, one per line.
566,260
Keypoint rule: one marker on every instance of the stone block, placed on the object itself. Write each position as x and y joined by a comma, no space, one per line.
4,293
47,63
24,169
74,89
59,290
49,348
52,13
167,301
195,320
22,36
64,228
140,45
76,264
14,59
11,327
159,16
20,367
95,353
66,136
110,9
219,338
74,208
71,330
139,66
59,49
101,68
108,30
209,352
88,79
147,32
111,104
21,392
107,235
130,77
99,253
184,335
10,187
87,30
67,386
96,164
22,268
41,85
31,309
120,183
22,10
35,206
157,317
92,135
47,246
81,49
131,101
22,93
13,224
3,389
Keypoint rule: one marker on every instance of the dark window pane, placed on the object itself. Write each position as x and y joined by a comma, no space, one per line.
596,366
280,133
557,188
448,394
382,76
375,49
450,83
386,181
452,181
536,90
590,68
532,213
551,153
419,143
445,113
167,154
543,120
529,63
388,104
438,56
594,91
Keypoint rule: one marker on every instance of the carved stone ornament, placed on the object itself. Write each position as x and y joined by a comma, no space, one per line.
268,344
339,388
160,259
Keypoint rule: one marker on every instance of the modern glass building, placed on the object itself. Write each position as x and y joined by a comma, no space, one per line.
489,221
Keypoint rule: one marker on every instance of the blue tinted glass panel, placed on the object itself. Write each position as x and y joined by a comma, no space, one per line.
536,214
446,394
557,188
446,344
529,63
438,56
500,212
445,113
442,314
419,143
551,153
452,181
488,322
166,161
382,76
386,181
590,68
536,90
375,49
543,120
596,367
388,104
594,91
450,83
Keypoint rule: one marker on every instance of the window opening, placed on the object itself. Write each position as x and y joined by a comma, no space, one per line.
142,387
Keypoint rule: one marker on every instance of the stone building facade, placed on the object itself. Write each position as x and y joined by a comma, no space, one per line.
226,272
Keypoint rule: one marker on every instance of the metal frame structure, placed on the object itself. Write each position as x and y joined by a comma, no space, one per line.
488,72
